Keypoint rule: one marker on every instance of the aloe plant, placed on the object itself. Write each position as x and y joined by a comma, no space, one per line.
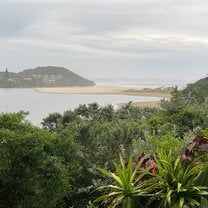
127,185
177,183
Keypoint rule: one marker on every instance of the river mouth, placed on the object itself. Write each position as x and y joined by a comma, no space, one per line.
39,105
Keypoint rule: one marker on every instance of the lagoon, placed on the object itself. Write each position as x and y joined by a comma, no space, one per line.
40,105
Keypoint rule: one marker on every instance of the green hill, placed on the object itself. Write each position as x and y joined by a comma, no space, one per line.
198,90
49,76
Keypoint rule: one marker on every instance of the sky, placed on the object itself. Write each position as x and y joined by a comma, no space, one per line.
160,39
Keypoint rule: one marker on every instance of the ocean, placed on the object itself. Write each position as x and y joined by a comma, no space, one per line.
141,83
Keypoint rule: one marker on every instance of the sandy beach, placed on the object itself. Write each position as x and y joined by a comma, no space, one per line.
107,90
82,90
102,90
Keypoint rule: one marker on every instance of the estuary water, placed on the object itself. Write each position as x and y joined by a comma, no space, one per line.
40,105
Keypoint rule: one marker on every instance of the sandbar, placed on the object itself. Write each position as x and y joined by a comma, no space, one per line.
108,90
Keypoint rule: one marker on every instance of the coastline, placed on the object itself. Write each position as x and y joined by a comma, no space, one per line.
109,90
102,90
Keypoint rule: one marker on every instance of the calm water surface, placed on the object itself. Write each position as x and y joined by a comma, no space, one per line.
41,104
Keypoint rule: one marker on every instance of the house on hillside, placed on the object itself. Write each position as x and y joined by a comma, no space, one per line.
47,78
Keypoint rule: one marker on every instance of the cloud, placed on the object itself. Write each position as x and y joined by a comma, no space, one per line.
110,34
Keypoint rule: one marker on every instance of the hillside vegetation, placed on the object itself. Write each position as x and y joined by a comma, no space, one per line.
49,76
68,162
198,90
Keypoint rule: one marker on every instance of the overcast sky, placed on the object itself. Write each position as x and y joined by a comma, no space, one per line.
107,38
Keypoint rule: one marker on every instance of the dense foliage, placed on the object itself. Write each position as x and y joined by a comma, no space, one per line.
56,165
33,168
198,90
161,180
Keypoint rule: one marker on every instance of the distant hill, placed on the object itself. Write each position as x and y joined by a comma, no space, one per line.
49,76
198,90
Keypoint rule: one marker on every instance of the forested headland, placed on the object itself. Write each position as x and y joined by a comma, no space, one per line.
48,76
68,161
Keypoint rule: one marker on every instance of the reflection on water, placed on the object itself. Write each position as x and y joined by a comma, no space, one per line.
41,104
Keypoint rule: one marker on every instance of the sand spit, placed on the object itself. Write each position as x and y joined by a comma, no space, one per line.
107,90
101,90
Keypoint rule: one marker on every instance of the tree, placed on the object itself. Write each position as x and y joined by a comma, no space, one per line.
52,122
6,74
32,172
107,113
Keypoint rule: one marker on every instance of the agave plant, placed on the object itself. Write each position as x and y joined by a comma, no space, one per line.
127,185
178,183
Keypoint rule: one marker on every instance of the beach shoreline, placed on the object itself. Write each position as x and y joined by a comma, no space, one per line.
102,90
109,90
